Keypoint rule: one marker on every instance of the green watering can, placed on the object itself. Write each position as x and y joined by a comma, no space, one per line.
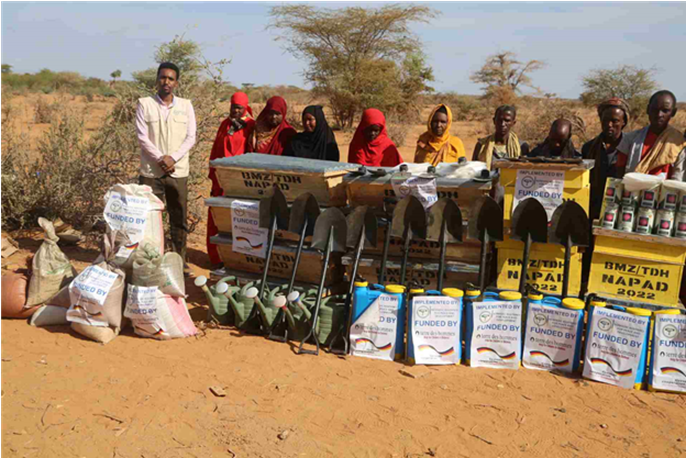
238,300
331,315
219,309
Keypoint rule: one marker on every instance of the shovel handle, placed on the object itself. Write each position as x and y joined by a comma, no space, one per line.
270,248
441,259
485,245
525,264
315,315
568,261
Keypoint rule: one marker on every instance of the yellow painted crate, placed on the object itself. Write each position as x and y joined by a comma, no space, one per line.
637,267
545,271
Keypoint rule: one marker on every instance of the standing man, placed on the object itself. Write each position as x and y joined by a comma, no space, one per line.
657,149
503,143
559,143
614,116
166,132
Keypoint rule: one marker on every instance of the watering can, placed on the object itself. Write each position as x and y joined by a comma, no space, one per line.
219,309
239,302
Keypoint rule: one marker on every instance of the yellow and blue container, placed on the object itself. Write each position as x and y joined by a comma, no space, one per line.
453,293
668,341
488,296
364,296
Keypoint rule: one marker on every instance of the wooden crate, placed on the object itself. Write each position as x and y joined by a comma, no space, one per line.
468,251
457,274
371,190
546,266
576,185
644,268
251,176
281,266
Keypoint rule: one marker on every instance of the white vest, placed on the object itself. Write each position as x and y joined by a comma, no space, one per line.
167,135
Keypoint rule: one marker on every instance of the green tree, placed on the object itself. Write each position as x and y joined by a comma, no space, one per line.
358,57
503,76
631,83
115,74
6,68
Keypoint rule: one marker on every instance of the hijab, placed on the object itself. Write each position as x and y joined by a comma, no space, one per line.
379,152
320,144
268,140
434,149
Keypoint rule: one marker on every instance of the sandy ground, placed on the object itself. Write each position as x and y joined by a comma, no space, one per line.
65,396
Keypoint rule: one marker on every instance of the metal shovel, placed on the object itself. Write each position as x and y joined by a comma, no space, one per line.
445,226
362,230
303,214
486,225
569,227
409,221
330,232
273,215
529,224
388,203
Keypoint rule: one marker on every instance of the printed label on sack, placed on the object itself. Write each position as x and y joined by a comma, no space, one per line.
423,188
127,214
551,337
87,293
613,347
496,337
436,323
669,353
546,186
141,308
248,237
373,334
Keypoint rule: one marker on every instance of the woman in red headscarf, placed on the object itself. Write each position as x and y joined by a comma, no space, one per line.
272,132
231,140
370,145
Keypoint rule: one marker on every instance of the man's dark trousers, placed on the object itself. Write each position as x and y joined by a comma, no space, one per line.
174,192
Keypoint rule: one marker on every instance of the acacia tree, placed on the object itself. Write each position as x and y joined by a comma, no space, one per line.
503,76
631,83
357,57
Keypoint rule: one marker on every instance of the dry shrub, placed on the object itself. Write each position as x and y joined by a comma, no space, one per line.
43,112
464,107
679,121
397,129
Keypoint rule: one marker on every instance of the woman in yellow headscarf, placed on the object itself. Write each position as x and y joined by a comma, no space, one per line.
436,144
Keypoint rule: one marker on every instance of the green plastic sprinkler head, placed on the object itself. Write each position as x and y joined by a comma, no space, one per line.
280,302
295,298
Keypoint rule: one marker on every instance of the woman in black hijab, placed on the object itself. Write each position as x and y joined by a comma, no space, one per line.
317,141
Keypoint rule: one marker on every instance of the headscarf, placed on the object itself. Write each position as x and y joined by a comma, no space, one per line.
665,151
379,152
485,154
320,144
433,149
267,140
615,102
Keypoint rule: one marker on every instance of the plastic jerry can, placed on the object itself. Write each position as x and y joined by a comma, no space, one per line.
667,368
488,296
440,352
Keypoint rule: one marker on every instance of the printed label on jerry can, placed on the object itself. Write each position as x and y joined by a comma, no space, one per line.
496,336
373,334
614,346
669,353
550,338
436,323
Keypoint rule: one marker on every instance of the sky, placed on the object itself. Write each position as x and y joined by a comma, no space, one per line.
96,38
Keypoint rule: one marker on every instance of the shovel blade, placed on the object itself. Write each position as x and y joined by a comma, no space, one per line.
530,218
486,216
274,204
330,218
569,221
362,218
409,214
448,211
305,209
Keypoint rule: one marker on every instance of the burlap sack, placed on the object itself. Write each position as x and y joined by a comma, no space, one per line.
97,294
51,269
164,272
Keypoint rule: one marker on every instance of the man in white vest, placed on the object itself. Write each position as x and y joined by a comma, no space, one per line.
166,132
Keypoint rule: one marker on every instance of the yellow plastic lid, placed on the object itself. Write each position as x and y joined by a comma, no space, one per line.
396,289
573,303
638,311
535,296
510,296
473,292
598,303
361,284
416,291
667,312
452,292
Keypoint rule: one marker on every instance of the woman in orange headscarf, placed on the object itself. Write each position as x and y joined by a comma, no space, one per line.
370,145
231,140
436,144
